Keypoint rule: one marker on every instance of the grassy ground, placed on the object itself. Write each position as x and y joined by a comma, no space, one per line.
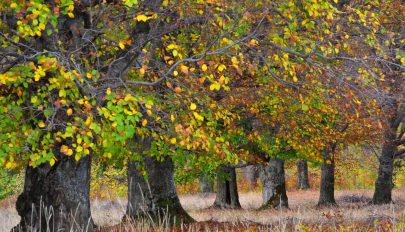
353,214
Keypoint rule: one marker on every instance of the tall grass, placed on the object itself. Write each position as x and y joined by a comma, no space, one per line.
353,214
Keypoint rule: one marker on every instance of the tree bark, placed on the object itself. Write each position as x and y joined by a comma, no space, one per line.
251,175
56,198
273,179
139,193
165,201
155,197
227,191
302,178
384,184
206,184
327,189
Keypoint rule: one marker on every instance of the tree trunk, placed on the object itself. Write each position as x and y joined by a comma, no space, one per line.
165,201
206,184
273,179
227,191
302,180
327,189
383,184
251,175
155,198
56,198
139,193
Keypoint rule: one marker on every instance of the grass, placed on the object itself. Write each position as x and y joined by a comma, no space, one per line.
353,214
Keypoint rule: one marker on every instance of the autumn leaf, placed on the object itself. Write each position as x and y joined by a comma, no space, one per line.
173,140
41,124
193,106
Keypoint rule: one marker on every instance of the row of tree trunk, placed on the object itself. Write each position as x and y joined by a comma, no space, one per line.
57,198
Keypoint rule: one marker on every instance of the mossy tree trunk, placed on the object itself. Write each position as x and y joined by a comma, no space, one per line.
56,198
155,197
273,178
227,191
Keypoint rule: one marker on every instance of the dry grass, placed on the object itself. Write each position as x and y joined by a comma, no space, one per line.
353,213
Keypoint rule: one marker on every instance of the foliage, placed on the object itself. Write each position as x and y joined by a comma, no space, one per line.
10,184
211,82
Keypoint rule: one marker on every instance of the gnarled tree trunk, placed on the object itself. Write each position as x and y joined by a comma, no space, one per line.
155,198
327,189
56,198
384,184
302,177
227,191
273,178
163,190
139,194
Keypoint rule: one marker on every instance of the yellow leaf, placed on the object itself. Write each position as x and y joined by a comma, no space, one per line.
69,112
171,46
204,67
64,149
52,162
221,67
215,86
175,53
69,152
172,117
34,99
295,79
198,116
175,73
88,121
193,106
144,122
41,124
184,69
143,18
142,71
121,45
71,15
173,140
88,75
77,157
108,91
234,60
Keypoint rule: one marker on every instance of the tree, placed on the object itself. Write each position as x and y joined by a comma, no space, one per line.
274,190
302,176
227,190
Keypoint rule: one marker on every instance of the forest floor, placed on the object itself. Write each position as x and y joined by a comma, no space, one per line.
352,214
